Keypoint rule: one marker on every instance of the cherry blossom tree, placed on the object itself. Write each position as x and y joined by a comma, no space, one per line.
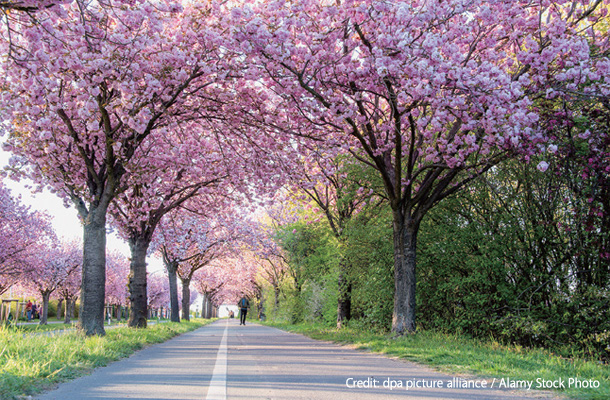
22,233
68,290
191,166
20,230
267,255
226,280
208,285
117,273
27,5
5,283
431,95
85,85
157,291
52,269
178,239
222,239
188,242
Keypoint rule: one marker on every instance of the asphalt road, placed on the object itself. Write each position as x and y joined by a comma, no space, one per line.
227,361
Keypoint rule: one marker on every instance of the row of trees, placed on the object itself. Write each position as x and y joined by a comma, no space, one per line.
133,109
119,120
32,256
521,256
36,263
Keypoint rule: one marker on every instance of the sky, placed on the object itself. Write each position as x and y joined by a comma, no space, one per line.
65,220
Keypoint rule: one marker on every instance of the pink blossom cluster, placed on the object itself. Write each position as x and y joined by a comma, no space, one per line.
21,233
117,271
82,94
437,84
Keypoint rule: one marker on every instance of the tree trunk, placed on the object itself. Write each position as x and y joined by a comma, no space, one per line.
276,300
173,291
137,282
186,299
204,304
91,316
405,243
67,312
344,302
73,306
261,306
45,307
207,304
60,308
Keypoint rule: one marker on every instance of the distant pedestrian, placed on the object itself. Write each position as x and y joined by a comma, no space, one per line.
28,310
243,304
35,312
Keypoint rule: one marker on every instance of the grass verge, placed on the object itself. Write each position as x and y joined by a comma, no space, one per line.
40,328
29,364
36,328
460,355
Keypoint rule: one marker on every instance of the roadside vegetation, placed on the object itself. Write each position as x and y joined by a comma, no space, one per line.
37,328
457,354
29,364
512,277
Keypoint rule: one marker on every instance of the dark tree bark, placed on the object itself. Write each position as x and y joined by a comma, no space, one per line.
91,316
73,307
186,299
67,315
60,308
46,295
344,300
138,281
204,307
260,305
405,245
173,291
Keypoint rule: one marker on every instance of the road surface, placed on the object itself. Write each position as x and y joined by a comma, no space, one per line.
226,361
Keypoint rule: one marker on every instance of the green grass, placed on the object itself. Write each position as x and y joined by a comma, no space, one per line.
41,328
35,328
460,355
29,364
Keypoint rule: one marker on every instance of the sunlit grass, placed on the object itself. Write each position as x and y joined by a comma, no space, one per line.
30,364
461,355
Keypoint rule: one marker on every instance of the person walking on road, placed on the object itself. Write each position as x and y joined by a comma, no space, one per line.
243,304
28,310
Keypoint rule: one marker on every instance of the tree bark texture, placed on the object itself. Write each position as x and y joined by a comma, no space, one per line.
173,292
46,295
405,243
68,305
261,306
186,299
206,306
60,309
137,283
91,316
276,297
